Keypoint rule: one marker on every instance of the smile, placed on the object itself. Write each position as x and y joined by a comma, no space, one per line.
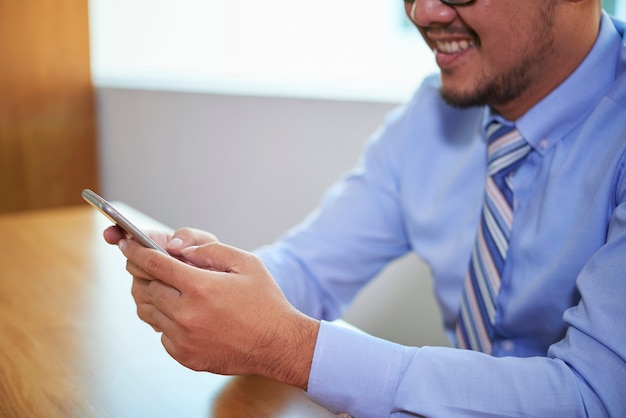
452,47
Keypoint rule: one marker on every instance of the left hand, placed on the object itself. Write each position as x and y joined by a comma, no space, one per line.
231,319
173,243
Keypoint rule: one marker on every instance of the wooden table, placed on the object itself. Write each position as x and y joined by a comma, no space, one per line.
71,344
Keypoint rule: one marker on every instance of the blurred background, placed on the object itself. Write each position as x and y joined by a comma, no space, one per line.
235,116
232,116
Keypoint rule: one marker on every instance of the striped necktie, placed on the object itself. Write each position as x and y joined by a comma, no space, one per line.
505,151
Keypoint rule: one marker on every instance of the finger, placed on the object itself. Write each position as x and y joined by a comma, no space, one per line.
160,237
144,312
186,237
150,295
151,264
152,316
218,256
139,291
165,302
163,294
169,346
113,234
137,272
154,292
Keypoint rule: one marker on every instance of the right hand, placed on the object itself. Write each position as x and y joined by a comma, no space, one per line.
221,311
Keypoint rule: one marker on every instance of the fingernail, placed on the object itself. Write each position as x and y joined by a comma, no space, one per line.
175,243
122,244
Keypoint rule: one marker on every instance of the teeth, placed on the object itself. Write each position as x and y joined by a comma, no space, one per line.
454,46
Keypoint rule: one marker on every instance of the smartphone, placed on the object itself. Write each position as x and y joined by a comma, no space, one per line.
120,220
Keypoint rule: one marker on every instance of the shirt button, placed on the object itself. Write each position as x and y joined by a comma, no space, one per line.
508,345
544,144
345,415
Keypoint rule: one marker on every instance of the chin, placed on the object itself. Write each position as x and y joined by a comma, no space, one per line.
461,100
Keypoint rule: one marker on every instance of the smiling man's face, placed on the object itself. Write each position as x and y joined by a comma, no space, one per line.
490,52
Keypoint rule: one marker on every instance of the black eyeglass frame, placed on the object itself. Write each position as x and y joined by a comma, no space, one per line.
456,2
448,2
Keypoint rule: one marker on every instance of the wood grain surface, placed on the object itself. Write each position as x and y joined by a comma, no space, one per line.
71,344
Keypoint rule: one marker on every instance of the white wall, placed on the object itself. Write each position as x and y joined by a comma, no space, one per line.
246,169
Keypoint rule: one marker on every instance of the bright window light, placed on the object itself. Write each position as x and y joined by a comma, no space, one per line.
325,48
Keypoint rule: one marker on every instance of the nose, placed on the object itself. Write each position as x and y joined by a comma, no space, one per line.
425,13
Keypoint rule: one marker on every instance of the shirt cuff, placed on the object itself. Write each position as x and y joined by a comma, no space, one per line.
353,372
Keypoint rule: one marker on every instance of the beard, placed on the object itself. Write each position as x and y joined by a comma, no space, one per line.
509,85
493,91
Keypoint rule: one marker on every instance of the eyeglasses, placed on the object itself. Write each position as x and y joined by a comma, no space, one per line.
449,2
456,2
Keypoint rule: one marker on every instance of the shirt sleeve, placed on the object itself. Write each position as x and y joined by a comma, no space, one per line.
583,375
353,234
359,227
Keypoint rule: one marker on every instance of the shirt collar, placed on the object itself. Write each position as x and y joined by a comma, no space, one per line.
551,119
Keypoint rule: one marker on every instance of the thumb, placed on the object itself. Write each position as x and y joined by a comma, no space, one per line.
216,256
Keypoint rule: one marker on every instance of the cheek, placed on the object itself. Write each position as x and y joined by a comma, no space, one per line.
502,41
505,55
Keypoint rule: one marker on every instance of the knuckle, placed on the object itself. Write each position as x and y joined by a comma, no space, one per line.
181,319
153,263
186,322
198,235
130,267
136,293
184,231
255,259
187,355
144,313
252,261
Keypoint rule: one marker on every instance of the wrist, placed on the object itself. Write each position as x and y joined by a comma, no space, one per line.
294,351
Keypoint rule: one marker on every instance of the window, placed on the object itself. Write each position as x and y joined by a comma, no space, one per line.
326,48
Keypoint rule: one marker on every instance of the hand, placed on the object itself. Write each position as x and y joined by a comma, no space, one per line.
173,243
232,319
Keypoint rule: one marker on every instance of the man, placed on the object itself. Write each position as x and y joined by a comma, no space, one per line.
551,342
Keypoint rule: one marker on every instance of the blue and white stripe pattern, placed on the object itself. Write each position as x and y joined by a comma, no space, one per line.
475,329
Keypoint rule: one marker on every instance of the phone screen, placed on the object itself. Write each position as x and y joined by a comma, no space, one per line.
120,220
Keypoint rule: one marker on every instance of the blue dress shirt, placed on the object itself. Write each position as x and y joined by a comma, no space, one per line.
561,311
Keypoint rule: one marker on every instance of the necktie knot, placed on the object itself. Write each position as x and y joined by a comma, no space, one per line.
506,147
